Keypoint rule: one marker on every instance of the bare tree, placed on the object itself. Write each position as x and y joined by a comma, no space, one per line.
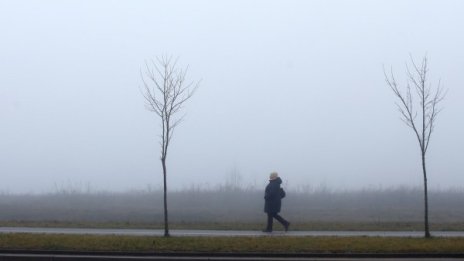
418,98
166,91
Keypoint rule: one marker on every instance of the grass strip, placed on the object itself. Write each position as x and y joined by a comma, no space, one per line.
264,244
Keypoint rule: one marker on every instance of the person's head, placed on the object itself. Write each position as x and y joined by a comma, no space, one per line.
273,175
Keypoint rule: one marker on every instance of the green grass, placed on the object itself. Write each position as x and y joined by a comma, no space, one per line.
264,244
302,226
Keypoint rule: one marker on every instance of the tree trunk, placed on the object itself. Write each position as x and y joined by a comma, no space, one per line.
426,200
166,226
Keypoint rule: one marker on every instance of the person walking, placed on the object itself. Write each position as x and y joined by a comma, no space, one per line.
273,200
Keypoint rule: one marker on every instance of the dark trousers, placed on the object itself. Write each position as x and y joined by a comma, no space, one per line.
270,218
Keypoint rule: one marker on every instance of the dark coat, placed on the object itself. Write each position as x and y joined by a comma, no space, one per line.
272,196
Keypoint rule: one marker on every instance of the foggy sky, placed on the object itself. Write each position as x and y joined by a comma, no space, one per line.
290,86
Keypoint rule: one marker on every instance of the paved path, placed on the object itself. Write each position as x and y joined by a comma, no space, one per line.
222,233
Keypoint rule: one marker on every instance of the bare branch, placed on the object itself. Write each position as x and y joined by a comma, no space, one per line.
427,99
165,92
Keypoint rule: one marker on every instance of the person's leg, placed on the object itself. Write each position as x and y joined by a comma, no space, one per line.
282,221
269,222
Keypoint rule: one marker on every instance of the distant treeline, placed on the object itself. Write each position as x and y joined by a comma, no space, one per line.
233,205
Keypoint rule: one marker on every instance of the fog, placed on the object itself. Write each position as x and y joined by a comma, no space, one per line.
295,87
227,205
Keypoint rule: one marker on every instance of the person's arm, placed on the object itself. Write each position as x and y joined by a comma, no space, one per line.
271,192
267,195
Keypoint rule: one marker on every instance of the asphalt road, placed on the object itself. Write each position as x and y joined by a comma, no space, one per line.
222,233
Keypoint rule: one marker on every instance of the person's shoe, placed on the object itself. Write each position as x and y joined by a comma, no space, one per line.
267,231
286,226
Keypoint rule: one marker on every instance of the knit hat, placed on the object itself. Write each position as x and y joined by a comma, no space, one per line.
273,175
